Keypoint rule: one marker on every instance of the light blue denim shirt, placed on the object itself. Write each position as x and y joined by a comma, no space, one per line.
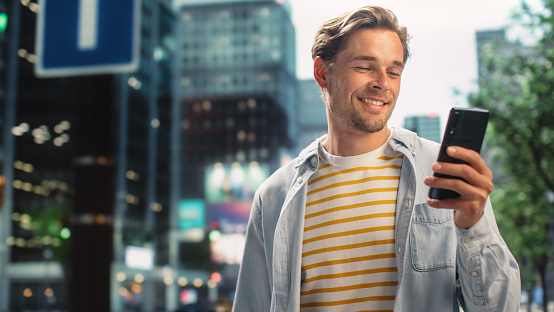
440,266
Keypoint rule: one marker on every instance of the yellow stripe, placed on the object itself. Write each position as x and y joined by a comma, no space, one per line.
346,207
346,288
368,191
353,170
350,274
324,166
351,246
352,183
348,260
390,158
348,233
344,302
351,219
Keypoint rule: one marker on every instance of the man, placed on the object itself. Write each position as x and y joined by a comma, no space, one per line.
348,226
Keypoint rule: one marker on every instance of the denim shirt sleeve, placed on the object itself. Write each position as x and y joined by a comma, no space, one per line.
253,291
269,275
488,274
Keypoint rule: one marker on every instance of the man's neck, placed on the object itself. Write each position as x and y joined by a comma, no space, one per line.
352,143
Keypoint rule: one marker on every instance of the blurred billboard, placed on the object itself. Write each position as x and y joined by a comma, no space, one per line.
237,182
192,219
228,228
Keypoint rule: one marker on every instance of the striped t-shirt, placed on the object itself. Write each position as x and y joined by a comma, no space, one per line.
348,255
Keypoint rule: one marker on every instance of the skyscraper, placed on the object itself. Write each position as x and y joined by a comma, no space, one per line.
237,91
91,177
427,127
237,75
484,40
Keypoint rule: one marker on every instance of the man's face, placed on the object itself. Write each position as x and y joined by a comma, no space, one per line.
364,83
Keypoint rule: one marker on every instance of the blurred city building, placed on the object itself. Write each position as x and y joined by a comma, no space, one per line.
427,127
485,40
236,68
132,191
494,43
312,114
90,168
237,92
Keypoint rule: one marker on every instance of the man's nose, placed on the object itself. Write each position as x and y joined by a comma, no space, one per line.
380,81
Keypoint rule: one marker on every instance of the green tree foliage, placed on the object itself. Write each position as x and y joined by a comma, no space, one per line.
517,86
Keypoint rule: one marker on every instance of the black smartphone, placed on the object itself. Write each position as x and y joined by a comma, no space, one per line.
466,127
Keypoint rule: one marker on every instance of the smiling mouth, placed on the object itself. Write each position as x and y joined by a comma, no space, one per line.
373,102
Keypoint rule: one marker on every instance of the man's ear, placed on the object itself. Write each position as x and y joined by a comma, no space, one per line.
320,72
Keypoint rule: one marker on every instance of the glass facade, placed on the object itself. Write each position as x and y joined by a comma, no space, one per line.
91,175
239,50
237,93
100,163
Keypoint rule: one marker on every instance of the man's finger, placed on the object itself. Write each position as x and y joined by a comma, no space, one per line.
469,174
470,156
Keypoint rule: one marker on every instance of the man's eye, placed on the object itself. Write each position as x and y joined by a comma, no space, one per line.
363,68
394,74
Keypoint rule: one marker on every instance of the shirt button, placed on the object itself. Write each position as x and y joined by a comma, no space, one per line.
313,160
466,240
474,273
299,180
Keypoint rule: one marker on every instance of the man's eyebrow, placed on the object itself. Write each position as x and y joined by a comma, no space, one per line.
373,59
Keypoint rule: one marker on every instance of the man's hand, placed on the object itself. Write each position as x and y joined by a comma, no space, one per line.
468,208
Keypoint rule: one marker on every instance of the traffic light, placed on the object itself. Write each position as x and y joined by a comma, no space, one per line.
215,234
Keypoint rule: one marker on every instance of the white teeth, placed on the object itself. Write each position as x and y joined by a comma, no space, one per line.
372,102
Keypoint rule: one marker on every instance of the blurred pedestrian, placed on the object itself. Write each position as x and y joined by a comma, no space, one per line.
348,226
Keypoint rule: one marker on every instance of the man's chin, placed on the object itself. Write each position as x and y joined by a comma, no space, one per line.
365,128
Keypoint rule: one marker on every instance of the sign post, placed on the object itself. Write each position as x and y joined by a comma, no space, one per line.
86,37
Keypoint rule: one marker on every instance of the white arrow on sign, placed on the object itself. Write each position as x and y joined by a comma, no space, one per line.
88,25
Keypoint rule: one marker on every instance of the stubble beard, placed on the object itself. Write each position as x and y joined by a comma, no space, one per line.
348,113
367,126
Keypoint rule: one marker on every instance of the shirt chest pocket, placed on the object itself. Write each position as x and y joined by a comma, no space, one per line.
432,238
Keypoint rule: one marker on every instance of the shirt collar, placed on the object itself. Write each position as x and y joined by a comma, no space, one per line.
400,138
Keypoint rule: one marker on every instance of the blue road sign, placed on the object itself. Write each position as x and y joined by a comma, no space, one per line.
84,37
